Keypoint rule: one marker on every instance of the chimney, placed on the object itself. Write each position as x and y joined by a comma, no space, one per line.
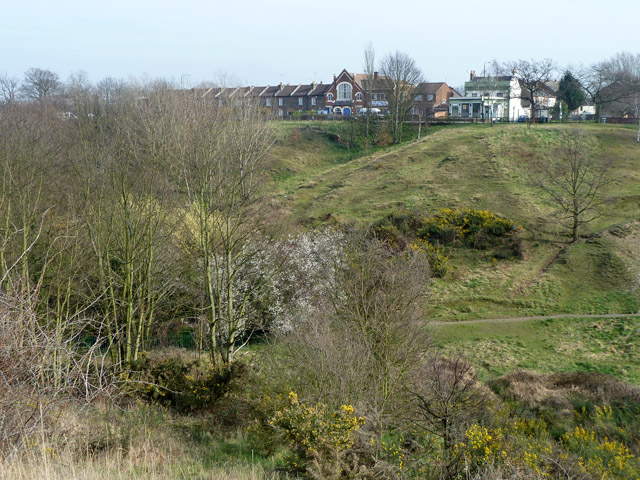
313,85
473,75
376,75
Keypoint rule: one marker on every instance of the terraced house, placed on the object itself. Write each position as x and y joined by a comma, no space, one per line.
344,96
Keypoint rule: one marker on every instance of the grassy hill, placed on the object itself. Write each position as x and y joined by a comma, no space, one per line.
487,168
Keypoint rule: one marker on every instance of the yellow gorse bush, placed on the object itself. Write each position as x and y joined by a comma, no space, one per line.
606,459
450,226
312,428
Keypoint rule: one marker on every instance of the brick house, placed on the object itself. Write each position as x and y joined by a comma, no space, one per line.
432,100
282,100
345,95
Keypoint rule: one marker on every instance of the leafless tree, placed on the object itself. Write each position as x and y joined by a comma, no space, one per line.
574,179
533,76
613,80
8,88
446,398
111,91
222,162
39,84
79,94
369,71
363,347
400,77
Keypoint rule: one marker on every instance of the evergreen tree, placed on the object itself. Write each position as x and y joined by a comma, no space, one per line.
570,91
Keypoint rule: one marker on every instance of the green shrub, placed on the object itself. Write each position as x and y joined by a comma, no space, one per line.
438,258
184,386
475,228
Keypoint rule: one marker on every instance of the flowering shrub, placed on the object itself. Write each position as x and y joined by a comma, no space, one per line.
437,257
292,276
475,228
606,459
314,428
521,443
322,439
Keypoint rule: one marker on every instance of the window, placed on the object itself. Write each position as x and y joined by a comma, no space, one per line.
414,111
280,101
358,97
344,91
378,96
418,98
430,97
474,94
300,101
268,102
313,101
330,97
499,94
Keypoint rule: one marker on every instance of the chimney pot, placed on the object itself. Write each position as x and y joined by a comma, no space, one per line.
473,74
376,75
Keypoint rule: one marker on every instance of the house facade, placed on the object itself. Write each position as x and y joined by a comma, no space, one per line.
432,100
496,97
281,100
344,96
501,98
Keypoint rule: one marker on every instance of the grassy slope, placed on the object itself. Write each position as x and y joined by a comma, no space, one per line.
487,168
557,345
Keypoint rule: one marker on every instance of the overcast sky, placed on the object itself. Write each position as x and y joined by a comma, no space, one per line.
260,42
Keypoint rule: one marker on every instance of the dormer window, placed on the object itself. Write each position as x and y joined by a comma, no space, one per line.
344,91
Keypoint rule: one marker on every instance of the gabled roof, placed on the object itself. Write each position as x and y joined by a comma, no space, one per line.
542,88
286,91
430,88
320,89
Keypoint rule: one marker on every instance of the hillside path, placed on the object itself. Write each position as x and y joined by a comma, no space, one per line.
538,317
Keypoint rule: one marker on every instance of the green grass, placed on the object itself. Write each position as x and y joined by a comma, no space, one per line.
483,167
544,346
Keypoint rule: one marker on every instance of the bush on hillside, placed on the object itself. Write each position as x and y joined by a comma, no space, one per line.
184,386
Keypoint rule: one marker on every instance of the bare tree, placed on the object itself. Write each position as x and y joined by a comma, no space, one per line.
612,80
222,164
39,84
574,179
446,399
533,76
8,88
400,77
79,93
363,347
369,71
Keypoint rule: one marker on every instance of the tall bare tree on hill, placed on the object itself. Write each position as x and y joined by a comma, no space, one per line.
533,76
8,88
400,78
369,71
574,180
39,84
613,80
